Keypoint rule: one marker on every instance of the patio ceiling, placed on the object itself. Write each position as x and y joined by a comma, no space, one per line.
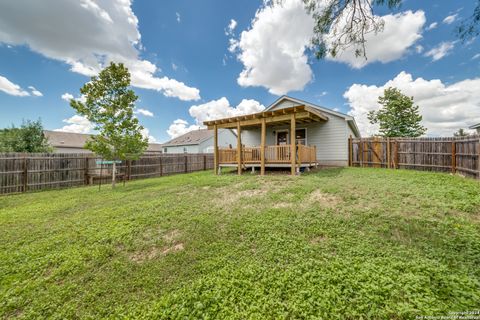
303,114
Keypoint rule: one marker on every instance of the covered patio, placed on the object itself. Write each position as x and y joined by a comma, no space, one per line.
285,154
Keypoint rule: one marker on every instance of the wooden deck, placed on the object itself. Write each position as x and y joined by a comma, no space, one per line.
275,156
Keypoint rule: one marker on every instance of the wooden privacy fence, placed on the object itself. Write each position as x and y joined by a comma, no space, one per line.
22,172
450,154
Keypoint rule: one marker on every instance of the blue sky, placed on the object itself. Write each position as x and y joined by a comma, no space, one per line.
189,66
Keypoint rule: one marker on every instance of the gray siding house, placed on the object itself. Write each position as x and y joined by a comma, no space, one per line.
329,137
199,141
289,133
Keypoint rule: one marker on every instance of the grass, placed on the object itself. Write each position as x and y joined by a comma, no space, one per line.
335,244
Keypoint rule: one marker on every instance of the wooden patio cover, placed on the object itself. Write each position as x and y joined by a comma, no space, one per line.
291,115
303,114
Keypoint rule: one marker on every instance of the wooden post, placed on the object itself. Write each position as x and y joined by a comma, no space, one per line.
215,149
315,155
388,152
293,147
350,151
129,169
239,148
161,166
85,175
204,162
396,158
25,174
186,163
454,157
262,147
478,159
360,152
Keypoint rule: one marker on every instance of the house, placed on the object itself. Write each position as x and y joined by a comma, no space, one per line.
69,142
476,127
265,139
199,141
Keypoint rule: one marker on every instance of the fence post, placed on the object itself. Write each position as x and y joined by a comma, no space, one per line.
25,174
204,162
161,166
129,169
186,163
360,147
396,158
454,157
388,152
350,151
478,159
86,171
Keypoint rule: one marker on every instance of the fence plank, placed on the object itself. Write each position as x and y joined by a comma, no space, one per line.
445,154
21,172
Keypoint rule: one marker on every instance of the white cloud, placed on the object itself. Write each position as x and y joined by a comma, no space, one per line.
179,127
440,51
174,67
11,88
215,109
432,26
146,134
445,108
95,33
35,92
419,48
400,32
77,124
179,19
231,27
144,112
450,19
67,96
273,49
476,56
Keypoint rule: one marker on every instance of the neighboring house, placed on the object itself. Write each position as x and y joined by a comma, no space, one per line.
199,141
69,142
321,136
476,127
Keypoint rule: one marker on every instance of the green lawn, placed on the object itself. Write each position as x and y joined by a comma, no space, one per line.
335,244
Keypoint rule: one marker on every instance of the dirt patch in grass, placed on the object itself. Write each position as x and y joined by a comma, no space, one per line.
323,199
173,245
318,239
282,205
171,235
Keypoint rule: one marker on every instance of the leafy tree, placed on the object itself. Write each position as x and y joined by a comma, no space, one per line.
109,105
340,24
28,138
398,117
461,133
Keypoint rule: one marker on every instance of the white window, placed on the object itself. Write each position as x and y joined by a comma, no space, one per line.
301,136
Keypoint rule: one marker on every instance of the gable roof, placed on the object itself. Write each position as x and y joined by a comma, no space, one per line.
190,138
62,139
349,119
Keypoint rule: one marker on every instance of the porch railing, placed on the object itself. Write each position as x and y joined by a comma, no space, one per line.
279,154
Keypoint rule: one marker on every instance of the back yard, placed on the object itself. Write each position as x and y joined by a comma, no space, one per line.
335,244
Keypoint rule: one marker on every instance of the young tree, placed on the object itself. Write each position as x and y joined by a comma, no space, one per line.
461,133
28,138
398,117
109,105
340,24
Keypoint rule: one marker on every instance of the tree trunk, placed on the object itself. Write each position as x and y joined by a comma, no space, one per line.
114,173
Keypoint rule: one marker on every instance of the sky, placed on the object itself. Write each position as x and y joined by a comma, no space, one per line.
192,61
